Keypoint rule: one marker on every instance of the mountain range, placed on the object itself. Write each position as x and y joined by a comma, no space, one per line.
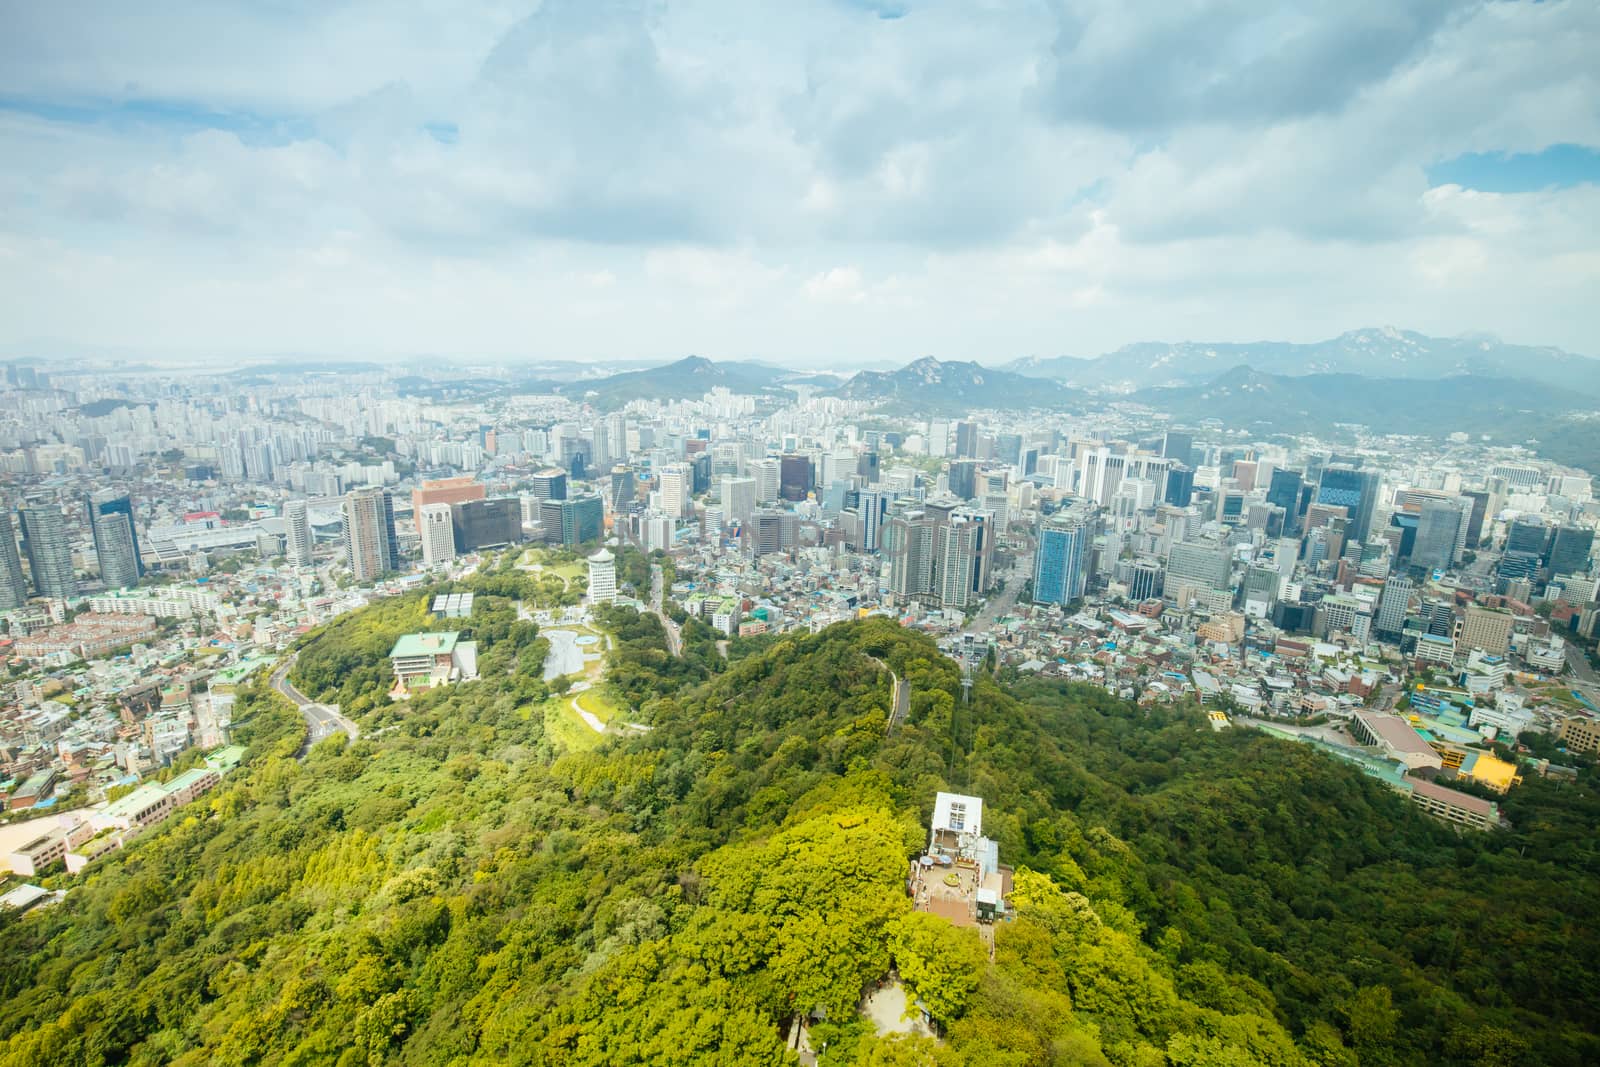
1247,398
940,386
1378,353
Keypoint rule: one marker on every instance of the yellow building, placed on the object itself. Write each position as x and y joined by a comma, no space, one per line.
1477,765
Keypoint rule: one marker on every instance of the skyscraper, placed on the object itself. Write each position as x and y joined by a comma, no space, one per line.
550,484
874,504
1527,533
437,532
1569,549
297,531
963,478
738,499
1060,566
675,483
116,542
13,588
1177,446
1393,605
1284,491
958,549
479,524
44,538
794,477
966,440
768,475
1180,487
370,545
1438,530
1355,490
908,541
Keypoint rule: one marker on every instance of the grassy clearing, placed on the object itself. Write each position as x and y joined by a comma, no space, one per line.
599,704
562,725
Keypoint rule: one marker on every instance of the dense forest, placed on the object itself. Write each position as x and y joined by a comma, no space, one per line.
460,887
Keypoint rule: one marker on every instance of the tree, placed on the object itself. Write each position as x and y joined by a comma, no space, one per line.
939,963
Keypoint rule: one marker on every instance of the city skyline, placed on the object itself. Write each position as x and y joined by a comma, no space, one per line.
842,184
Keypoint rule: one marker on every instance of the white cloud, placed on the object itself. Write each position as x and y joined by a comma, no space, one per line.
613,178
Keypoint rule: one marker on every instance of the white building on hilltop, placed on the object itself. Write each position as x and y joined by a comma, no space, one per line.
602,578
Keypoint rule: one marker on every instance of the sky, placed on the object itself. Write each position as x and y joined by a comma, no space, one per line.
820,183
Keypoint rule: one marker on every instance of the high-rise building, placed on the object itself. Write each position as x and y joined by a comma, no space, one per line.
549,484
770,530
1060,566
1180,487
297,533
437,532
1439,529
958,553
1354,489
874,508
738,497
575,521
446,491
1177,446
1569,550
1284,490
1145,579
908,541
480,524
967,440
1487,629
1203,563
963,478
602,578
1393,604
13,587
768,473
370,545
44,539
116,541
1480,509
1527,533
675,483
794,476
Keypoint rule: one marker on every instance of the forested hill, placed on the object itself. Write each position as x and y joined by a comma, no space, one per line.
460,886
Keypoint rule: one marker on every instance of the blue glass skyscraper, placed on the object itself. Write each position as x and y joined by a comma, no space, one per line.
1058,568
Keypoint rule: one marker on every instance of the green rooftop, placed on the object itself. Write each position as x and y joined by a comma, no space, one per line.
425,644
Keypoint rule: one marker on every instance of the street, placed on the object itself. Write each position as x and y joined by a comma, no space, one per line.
1005,599
657,598
321,720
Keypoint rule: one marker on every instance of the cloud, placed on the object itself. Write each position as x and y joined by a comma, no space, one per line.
976,180
836,284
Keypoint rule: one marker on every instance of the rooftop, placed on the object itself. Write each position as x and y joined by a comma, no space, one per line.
954,811
425,644
1465,801
1396,733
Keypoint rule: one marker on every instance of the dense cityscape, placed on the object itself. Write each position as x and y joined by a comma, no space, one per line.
599,533
175,536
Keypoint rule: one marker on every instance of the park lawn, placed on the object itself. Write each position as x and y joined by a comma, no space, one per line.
599,703
562,725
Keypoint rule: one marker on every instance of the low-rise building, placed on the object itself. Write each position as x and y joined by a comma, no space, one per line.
427,660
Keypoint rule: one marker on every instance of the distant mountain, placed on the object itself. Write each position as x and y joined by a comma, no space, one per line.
1246,398
688,379
1378,353
933,385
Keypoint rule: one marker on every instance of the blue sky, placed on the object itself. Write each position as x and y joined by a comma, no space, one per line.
1559,166
824,182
